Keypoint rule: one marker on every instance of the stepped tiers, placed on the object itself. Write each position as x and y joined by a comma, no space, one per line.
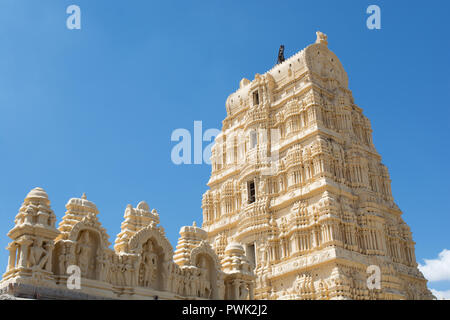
299,206
297,180
141,266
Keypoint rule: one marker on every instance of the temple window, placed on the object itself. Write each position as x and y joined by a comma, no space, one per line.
251,191
251,253
256,98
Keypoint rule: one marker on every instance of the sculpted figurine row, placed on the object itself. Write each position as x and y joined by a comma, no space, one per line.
141,266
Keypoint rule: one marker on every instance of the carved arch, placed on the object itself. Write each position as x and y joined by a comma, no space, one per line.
89,223
215,273
155,233
206,249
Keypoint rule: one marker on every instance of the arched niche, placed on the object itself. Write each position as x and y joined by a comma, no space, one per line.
87,249
59,265
151,265
85,244
205,259
155,253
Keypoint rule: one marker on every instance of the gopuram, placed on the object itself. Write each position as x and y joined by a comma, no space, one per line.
297,180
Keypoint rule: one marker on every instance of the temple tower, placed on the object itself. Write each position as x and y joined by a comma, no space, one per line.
30,252
297,180
134,220
190,237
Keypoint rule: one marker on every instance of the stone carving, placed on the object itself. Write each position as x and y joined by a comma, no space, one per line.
149,265
321,38
307,230
104,265
39,255
30,252
140,267
301,208
84,252
204,280
240,276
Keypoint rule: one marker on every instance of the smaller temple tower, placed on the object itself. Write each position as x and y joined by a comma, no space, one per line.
83,243
190,237
135,219
30,252
240,280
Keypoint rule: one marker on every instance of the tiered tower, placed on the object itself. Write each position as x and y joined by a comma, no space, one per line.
30,252
297,180
190,237
135,219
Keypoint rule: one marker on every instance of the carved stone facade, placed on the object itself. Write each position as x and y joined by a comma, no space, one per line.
141,266
298,181
299,200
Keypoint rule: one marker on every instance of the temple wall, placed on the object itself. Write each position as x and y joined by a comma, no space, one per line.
75,261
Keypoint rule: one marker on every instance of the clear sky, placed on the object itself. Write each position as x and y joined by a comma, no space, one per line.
92,110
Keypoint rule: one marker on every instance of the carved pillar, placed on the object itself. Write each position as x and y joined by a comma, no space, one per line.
12,247
251,289
42,218
236,283
413,255
295,242
314,238
28,219
23,259
49,247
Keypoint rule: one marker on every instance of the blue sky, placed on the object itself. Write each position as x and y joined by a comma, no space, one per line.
92,110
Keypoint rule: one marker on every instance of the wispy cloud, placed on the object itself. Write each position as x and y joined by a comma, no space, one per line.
441,295
437,269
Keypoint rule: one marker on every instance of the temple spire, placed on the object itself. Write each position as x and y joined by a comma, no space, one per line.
322,38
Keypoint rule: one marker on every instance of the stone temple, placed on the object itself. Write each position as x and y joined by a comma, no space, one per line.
297,180
299,206
141,266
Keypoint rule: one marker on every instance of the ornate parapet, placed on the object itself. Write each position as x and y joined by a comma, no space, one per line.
44,262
